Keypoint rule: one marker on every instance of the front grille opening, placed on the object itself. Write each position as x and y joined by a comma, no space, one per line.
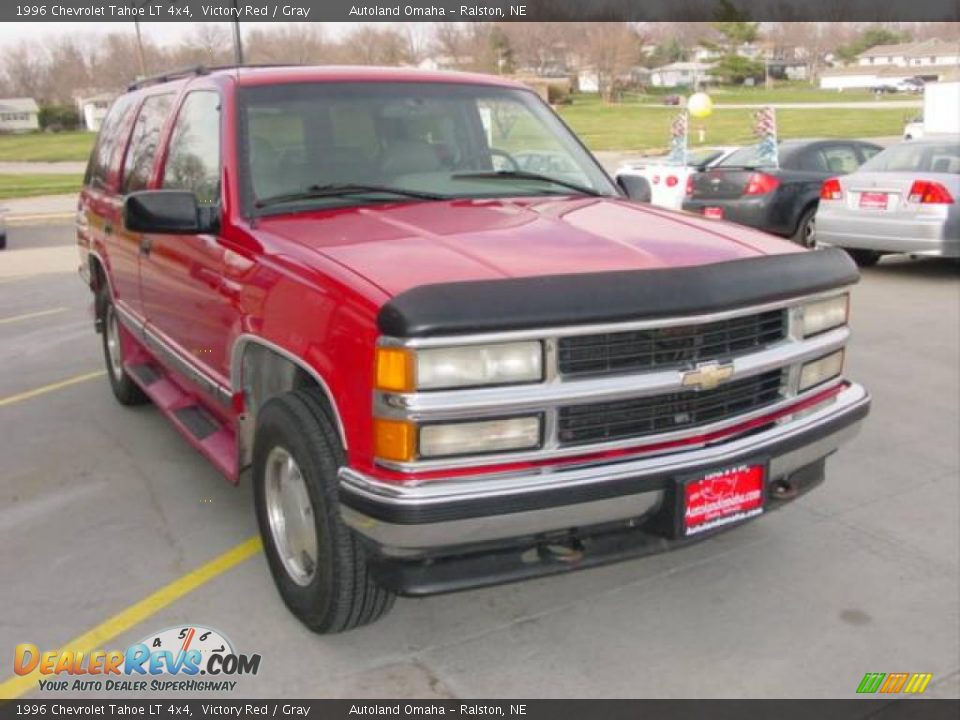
639,417
661,348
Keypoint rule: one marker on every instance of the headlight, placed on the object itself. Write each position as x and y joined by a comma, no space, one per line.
821,315
486,436
403,441
820,370
403,369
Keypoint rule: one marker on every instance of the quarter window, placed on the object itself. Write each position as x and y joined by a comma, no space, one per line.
144,142
193,162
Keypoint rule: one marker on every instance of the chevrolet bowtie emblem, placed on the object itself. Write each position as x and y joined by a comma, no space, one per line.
708,375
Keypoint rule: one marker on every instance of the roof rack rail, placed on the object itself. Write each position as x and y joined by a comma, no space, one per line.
195,71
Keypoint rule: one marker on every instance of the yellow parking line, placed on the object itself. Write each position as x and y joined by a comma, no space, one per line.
98,637
30,316
11,399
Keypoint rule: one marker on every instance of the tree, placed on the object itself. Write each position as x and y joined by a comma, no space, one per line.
734,24
735,69
610,49
871,37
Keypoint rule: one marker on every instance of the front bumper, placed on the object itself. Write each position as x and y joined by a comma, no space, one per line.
444,518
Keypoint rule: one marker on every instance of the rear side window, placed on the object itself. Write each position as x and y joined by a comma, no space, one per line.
918,157
193,162
840,159
111,137
144,142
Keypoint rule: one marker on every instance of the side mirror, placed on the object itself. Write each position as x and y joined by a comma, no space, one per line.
636,187
172,212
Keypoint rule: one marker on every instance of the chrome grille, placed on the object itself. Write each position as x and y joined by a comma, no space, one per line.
659,348
638,417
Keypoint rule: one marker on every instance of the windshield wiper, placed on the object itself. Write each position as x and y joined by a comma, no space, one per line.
523,175
325,191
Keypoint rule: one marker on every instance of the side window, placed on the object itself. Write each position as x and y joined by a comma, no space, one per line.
812,160
840,159
193,162
109,140
145,142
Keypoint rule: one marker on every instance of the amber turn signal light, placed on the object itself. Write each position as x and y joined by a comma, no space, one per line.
394,369
394,439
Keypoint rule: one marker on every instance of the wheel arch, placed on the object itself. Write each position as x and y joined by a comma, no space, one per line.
260,370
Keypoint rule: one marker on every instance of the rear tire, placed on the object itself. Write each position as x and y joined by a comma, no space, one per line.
864,258
318,565
806,234
125,390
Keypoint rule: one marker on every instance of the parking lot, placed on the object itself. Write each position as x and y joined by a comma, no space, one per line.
103,505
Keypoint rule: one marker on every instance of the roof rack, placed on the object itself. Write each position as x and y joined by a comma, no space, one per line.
195,71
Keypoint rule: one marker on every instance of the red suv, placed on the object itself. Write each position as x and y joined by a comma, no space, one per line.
445,346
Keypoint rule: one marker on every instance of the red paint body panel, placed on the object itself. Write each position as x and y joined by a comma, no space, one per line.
312,283
401,246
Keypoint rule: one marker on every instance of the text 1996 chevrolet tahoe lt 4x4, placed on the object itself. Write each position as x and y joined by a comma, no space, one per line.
445,346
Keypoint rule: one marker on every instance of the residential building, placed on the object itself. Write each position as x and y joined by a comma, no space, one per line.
680,74
931,60
93,110
19,115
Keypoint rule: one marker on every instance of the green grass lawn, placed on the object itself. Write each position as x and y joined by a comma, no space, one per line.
12,186
46,147
633,126
790,92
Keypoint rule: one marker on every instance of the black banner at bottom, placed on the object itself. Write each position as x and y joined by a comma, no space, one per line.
872,708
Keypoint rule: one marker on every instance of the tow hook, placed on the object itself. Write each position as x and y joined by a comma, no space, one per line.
784,489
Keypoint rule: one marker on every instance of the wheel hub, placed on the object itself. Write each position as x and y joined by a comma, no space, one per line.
114,349
290,516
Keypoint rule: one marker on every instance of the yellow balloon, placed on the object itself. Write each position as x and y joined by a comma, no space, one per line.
700,105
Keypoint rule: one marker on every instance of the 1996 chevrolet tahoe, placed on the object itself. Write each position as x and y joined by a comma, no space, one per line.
446,347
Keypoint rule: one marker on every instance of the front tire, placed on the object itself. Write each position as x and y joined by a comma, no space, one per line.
318,565
125,390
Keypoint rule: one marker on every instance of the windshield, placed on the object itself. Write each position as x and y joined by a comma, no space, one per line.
917,157
392,141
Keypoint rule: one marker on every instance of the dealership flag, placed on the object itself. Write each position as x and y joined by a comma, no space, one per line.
765,128
679,129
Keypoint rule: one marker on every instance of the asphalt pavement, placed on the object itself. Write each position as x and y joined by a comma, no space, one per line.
101,506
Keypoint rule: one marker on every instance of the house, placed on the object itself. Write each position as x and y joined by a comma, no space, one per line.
680,74
917,54
93,110
19,115
931,60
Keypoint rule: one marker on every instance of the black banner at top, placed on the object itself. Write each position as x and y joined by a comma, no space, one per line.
485,11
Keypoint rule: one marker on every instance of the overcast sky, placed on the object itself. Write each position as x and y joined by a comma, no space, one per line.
160,32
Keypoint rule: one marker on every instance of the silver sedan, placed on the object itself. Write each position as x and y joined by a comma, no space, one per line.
903,200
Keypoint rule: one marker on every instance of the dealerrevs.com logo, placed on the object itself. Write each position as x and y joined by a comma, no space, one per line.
171,660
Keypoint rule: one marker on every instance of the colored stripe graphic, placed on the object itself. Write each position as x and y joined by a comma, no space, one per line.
894,683
871,682
918,683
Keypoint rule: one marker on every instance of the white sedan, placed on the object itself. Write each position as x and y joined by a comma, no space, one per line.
668,181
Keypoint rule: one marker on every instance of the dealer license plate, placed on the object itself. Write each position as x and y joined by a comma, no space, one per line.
873,200
721,498
714,213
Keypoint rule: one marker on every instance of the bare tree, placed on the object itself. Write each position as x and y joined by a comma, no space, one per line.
610,50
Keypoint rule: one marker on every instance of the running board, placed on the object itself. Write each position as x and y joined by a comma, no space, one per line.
202,430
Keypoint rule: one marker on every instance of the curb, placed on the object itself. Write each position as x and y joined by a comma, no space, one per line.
39,218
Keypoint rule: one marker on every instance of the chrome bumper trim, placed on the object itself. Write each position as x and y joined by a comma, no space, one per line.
414,538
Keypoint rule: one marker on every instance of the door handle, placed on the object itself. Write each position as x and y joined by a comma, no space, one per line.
146,245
